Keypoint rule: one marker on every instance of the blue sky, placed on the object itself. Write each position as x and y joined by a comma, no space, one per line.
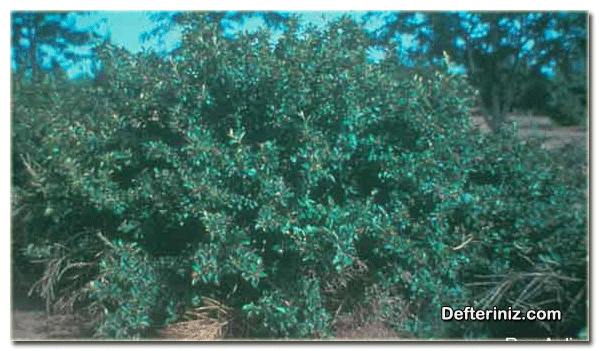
125,27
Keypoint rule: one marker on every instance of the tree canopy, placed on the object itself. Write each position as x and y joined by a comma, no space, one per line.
504,54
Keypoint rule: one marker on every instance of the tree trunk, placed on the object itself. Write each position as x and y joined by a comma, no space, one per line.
34,23
494,112
496,117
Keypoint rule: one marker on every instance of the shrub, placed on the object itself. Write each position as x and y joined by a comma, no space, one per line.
286,182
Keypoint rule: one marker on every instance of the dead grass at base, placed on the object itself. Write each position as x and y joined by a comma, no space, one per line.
209,323
196,330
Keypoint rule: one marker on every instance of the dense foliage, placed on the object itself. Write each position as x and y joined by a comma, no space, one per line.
290,183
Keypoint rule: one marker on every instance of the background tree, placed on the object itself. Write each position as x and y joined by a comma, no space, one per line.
568,93
505,54
39,37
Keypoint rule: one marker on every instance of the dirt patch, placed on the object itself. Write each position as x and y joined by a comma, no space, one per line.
29,322
370,331
37,326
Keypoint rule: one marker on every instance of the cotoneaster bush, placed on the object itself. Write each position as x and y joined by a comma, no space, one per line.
288,181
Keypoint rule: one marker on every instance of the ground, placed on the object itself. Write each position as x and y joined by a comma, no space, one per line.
30,322
543,128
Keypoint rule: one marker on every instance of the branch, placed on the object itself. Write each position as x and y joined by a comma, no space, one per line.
106,241
28,166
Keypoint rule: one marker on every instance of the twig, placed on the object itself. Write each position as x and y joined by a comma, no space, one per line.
462,245
338,310
106,241
28,167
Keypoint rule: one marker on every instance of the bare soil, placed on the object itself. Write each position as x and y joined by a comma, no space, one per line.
37,326
544,129
29,322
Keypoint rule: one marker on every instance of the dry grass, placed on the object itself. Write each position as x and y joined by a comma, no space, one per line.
208,323
204,329
543,288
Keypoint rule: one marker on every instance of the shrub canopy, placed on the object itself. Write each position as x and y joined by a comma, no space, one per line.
288,181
